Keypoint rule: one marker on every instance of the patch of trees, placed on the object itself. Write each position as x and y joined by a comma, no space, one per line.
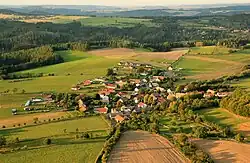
232,43
28,59
190,150
238,103
147,122
67,100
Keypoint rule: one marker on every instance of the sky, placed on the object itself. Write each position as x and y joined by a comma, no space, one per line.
118,2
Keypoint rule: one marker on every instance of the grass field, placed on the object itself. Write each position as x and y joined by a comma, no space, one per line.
199,67
209,50
78,67
225,118
64,144
11,101
212,66
141,147
245,83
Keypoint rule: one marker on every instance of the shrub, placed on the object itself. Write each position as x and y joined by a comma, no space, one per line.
3,126
47,141
2,140
239,137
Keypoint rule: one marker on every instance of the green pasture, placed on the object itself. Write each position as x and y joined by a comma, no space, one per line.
209,50
245,83
12,101
109,22
192,66
222,117
65,146
78,67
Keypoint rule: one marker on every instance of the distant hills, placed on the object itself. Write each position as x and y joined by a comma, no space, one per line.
195,10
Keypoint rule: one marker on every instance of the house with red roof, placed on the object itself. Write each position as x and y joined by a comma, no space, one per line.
87,82
119,118
101,110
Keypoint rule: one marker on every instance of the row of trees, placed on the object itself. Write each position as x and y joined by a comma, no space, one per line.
238,103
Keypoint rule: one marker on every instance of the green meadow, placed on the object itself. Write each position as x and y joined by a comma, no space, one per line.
64,141
209,50
195,66
107,21
78,67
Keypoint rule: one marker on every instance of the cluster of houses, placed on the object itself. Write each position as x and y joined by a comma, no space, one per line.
128,101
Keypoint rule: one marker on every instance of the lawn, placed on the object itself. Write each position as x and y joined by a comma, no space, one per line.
64,144
78,67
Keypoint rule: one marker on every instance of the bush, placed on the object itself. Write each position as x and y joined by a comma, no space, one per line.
3,126
239,137
85,135
2,140
47,141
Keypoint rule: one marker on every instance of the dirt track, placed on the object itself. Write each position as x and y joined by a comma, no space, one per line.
144,147
225,151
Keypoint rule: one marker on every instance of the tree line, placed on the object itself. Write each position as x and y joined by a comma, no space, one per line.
238,103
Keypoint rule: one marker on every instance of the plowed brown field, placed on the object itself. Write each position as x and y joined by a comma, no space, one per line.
225,151
144,147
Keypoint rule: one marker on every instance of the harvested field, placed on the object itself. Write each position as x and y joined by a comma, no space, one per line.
119,53
225,151
161,59
9,122
144,147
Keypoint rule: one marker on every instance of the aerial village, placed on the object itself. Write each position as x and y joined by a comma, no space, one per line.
127,88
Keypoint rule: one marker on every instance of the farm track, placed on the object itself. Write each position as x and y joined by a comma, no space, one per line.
225,151
144,147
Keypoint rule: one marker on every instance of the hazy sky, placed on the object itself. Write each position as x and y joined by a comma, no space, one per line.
118,2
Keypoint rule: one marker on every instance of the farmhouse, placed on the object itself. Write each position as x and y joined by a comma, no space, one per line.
87,82
222,94
101,110
119,118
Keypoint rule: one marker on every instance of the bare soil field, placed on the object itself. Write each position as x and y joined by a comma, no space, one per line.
154,58
119,53
28,119
144,147
225,151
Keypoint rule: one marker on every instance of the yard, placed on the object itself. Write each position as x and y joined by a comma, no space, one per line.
64,141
